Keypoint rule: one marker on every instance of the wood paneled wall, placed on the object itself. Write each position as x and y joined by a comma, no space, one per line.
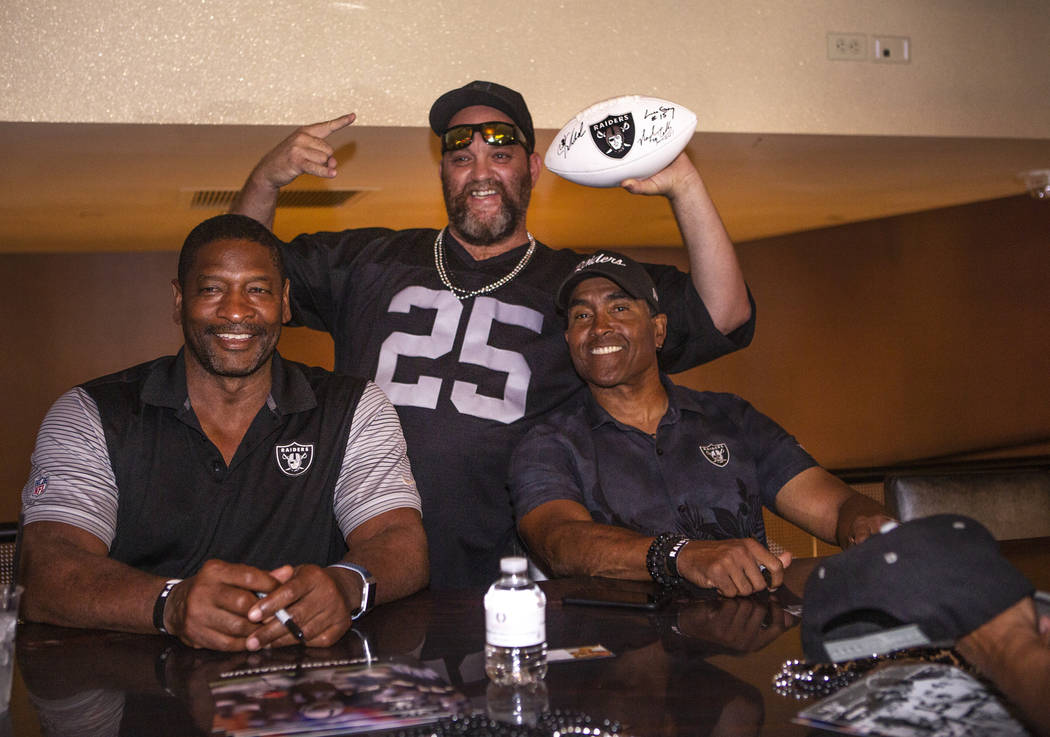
890,340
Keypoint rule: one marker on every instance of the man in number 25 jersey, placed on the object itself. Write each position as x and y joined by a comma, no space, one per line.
458,325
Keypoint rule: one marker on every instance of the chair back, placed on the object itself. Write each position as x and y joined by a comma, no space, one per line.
1011,504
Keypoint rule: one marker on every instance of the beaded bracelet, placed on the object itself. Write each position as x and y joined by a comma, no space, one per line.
656,560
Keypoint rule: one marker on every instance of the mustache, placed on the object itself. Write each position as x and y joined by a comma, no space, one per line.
481,184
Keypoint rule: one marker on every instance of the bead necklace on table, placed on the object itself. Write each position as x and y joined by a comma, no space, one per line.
802,680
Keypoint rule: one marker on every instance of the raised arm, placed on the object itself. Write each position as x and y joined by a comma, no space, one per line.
306,151
713,265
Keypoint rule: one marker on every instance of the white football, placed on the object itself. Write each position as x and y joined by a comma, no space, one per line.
621,138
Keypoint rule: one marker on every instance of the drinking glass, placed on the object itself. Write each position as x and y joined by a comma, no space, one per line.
9,597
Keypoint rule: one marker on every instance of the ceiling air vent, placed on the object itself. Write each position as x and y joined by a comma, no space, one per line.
220,199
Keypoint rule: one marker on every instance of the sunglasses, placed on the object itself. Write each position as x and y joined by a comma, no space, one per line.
494,133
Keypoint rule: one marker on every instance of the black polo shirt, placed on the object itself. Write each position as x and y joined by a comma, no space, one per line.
180,504
712,465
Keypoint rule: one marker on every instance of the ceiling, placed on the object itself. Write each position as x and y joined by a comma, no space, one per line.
72,187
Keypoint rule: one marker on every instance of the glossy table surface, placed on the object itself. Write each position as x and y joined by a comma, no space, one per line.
702,665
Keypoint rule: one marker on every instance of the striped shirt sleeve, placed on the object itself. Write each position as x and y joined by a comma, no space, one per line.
72,479
376,476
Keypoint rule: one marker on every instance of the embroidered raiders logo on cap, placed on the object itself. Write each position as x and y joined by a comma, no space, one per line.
294,459
616,267
614,135
717,453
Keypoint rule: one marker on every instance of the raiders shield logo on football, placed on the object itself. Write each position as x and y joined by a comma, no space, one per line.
294,459
717,453
614,135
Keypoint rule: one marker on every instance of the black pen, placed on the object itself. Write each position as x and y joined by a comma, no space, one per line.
286,619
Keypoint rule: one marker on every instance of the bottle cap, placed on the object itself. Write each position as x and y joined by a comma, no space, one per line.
515,564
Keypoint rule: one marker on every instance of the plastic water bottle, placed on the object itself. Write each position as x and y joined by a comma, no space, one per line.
517,705
515,627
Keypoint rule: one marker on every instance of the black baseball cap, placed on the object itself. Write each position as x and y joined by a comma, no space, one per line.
616,267
925,583
489,94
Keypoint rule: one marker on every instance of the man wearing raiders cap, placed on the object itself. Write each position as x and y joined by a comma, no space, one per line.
224,495
458,324
644,478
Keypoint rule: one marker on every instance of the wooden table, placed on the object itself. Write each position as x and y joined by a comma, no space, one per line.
701,666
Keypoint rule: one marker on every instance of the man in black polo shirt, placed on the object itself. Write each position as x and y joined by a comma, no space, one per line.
213,494
645,478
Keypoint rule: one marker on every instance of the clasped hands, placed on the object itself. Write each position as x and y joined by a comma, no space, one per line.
218,607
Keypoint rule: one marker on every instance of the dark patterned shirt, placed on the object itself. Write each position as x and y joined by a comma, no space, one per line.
714,463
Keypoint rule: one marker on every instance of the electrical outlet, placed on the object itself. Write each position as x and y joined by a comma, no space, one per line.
892,49
847,46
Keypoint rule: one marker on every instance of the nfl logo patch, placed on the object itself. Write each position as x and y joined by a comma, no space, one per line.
717,453
39,485
294,459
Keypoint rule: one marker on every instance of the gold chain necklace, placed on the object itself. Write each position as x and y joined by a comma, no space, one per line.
460,292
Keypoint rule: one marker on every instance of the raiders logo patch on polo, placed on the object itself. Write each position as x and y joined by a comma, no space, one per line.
614,135
717,453
294,459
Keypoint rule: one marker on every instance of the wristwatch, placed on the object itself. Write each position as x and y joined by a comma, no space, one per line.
368,587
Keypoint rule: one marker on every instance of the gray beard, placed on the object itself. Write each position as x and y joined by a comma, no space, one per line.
477,232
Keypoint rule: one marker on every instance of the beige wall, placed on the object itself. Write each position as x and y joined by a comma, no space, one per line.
978,66
925,336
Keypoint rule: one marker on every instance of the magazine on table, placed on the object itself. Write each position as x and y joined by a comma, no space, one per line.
915,700
332,697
